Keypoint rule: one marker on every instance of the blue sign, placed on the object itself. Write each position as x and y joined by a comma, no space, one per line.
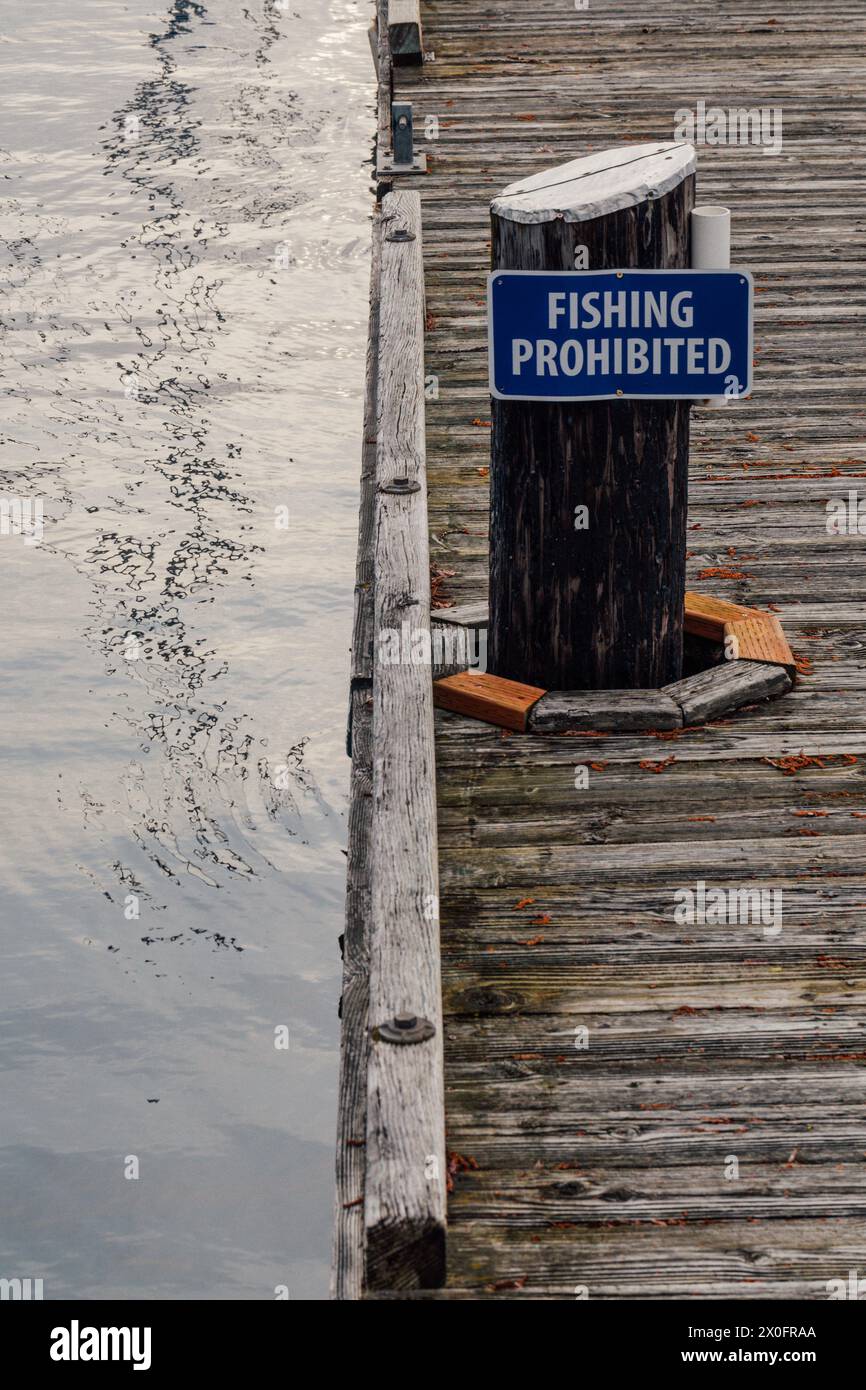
597,335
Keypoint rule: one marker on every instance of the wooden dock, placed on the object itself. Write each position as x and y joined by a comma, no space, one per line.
633,1107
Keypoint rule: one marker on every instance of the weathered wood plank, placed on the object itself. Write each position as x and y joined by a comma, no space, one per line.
362,626
507,867
347,1277
519,1199
474,615
726,687
404,31
404,1198
490,698
562,710
347,1270
760,638
706,616
734,1259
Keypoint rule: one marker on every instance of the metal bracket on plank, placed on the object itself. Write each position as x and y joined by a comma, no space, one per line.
402,158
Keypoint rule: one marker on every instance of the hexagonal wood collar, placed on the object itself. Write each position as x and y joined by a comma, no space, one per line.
759,666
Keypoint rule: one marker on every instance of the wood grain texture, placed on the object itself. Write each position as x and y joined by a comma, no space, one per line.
481,696
404,31
726,687
404,1197
707,616
347,1269
347,1274
759,637
560,711
463,615
601,607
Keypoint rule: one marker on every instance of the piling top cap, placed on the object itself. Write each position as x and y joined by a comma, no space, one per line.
597,184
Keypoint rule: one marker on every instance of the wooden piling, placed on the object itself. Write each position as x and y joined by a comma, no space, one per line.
602,607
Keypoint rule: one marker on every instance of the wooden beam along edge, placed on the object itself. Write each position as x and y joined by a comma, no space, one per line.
405,1166
404,31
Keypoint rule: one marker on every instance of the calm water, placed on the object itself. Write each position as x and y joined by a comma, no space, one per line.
185,243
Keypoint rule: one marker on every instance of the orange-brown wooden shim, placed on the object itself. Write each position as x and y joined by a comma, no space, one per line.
491,698
706,617
760,638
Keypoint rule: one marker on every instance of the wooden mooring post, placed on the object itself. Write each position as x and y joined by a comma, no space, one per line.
597,606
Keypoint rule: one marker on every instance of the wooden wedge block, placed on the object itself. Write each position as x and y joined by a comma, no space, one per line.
491,698
462,615
561,711
706,617
725,687
759,637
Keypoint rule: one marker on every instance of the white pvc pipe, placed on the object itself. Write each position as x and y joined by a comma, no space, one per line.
711,250
711,238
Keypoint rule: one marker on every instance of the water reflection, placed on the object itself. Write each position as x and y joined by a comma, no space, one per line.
185,242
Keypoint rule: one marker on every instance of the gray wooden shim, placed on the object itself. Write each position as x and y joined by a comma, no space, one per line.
463,615
562,710
726,687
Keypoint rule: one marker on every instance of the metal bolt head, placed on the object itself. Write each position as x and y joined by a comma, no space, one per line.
402,486
401,234
404,1029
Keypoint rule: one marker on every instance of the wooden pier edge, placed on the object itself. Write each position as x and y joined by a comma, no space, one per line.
347,1271
404,1196
390,1198
390,1203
